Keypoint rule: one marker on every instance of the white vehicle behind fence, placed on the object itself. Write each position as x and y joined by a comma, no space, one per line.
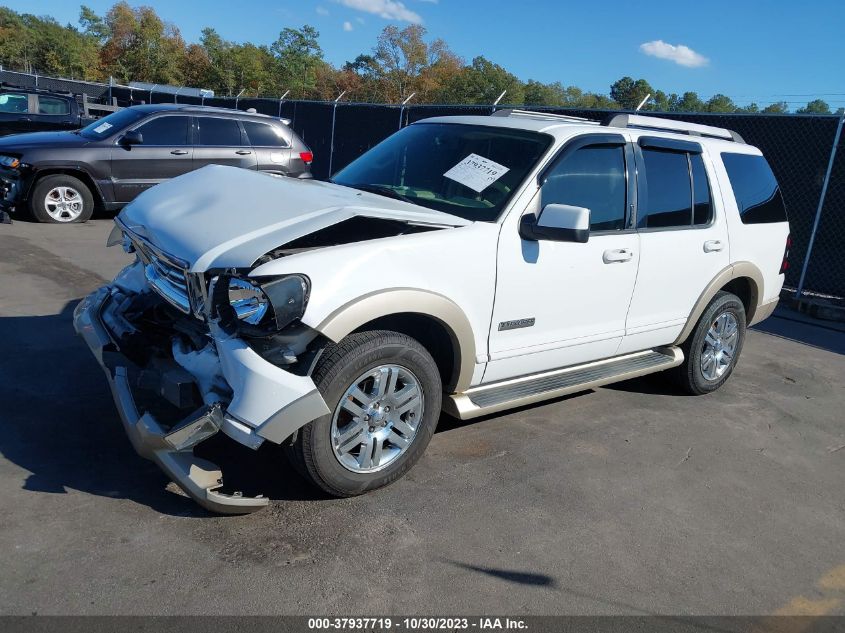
467,264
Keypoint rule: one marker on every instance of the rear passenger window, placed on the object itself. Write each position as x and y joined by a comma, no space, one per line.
53,106
214,131
264,134
594,178
756,191
677,191
668,201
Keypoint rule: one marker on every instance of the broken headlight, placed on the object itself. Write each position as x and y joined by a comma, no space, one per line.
267,303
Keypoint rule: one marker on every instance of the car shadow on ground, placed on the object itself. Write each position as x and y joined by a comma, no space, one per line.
60,424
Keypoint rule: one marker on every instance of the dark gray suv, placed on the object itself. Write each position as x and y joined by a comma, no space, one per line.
63,176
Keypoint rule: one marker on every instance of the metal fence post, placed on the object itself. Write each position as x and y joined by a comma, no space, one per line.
809,252
402,107
331,140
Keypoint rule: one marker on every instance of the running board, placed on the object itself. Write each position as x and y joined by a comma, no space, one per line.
516,392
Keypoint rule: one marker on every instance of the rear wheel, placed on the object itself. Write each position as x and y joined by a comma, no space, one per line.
712,350
384,392
61,199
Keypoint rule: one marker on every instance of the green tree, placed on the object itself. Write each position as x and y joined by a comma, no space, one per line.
816,106
483,81
780,107
299,57
690,102
629,93
720,103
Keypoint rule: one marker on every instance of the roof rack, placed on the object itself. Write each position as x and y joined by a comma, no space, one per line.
670,125
550,116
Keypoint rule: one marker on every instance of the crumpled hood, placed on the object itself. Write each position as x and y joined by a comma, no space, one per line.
222,217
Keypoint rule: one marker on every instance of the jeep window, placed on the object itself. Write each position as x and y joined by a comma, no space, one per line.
591,177
668,199
14,103
166,130
264,134
757,193
218,132
52,106
411,165
111,124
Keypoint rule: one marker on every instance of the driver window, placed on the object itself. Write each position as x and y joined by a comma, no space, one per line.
592,177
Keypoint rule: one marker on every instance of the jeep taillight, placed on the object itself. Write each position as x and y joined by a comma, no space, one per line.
306,157
784,265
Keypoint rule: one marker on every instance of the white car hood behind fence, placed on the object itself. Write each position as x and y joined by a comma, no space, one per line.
221,217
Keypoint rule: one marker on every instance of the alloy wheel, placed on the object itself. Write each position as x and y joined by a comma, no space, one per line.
377,418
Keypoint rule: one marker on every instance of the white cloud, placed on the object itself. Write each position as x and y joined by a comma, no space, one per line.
680,54
347,26
387,9
322,11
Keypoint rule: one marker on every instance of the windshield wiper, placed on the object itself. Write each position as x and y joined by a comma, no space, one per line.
383,190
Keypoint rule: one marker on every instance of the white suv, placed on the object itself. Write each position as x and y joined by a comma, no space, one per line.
466,264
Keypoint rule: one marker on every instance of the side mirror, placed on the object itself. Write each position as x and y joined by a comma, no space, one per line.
557,223
132,137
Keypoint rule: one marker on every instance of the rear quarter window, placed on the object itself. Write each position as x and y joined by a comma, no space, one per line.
757,193
264,134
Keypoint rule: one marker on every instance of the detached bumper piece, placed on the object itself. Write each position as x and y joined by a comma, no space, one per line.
171,449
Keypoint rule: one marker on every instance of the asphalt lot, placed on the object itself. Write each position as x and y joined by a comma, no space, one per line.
629,499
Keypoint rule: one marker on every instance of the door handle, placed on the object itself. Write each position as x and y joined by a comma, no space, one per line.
617,256
243,152
712,245
179,152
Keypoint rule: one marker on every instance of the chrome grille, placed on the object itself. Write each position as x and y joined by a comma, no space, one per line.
165,274
169,281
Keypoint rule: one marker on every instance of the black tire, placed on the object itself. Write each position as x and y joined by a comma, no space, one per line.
37,198
311,451
689,375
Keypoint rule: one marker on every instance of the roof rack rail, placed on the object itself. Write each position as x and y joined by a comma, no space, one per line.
671,125
542,115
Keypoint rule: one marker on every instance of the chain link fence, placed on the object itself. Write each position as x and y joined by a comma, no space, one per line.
798,147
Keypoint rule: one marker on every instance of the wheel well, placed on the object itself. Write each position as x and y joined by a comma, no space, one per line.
76,173
431,333
746,290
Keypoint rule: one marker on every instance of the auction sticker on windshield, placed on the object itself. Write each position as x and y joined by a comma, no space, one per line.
476,172
102,128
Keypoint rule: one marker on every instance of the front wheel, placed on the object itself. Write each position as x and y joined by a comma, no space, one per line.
61,199
384,392
712,350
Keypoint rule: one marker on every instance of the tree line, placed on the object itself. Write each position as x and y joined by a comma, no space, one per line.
135,44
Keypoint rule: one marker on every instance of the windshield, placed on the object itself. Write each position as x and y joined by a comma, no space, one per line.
116,121
467,170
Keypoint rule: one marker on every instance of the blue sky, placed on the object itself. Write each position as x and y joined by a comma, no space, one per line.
748,49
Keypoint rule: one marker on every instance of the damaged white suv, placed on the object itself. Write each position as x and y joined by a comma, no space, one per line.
466,264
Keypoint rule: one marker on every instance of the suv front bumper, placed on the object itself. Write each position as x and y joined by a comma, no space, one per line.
257,387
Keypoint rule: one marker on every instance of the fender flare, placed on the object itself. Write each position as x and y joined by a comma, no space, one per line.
75,171
727,274
382,303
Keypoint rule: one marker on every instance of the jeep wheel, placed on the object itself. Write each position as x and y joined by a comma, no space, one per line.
713,348
384,392
61,199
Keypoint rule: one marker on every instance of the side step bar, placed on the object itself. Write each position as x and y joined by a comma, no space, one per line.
516,392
